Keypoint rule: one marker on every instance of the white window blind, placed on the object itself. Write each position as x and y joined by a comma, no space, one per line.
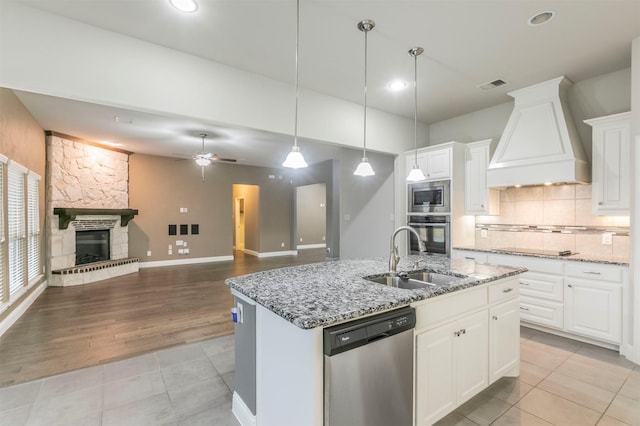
17,224
3,280
33,221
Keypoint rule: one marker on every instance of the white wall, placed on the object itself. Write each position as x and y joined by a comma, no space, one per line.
103,67
635,193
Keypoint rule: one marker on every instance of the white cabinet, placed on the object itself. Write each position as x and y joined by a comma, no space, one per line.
593,306
479,199
459,346
470,255
611,164
434,163
504,339
451,366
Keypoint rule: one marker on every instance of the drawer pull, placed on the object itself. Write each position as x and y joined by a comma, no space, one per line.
507,290
592,272
522,308
495,318
524,282
470,258
569,285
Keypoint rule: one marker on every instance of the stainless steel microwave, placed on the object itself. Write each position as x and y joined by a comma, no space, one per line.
430,197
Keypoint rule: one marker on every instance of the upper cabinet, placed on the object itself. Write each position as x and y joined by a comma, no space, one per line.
434,163
479,199
611,164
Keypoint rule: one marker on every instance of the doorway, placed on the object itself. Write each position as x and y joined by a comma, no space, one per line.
239,223
311,216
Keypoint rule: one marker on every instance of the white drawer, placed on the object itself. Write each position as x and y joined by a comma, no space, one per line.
592,271
543,312
546,286
471,255
534,264
503,290
434,311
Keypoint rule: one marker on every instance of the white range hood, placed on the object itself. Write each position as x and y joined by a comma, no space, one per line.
540,144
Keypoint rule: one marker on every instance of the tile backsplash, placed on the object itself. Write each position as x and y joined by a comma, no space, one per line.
557,205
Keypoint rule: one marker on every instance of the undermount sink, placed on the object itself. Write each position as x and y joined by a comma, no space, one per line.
414,280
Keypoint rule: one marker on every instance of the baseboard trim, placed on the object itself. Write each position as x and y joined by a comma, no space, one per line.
15,315
190,261
241,411
271,253
310,246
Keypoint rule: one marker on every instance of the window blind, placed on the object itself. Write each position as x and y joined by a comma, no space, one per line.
16,228
33,221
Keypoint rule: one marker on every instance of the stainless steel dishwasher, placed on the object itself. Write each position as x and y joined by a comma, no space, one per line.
368,371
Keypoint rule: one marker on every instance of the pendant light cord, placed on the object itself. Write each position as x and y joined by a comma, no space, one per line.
295,125
415,110
364,145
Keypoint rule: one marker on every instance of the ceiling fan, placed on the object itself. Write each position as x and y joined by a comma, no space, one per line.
203,159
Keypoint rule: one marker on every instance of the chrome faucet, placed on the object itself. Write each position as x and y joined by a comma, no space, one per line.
394,257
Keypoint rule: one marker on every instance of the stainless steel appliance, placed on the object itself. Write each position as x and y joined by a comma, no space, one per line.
368,370
430,197
434,231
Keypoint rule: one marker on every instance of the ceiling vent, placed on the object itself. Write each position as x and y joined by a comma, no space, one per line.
492,84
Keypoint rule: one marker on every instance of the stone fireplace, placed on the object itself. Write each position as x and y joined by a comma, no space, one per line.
87,190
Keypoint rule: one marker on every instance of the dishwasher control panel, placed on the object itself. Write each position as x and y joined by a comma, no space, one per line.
350,335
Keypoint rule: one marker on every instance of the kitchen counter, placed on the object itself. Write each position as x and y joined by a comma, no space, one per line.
322,294
578,257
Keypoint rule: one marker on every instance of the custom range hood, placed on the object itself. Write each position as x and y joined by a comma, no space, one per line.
540,144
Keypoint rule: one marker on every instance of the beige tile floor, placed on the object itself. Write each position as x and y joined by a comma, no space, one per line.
562,382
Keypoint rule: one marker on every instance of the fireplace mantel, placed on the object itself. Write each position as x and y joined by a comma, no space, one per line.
67,215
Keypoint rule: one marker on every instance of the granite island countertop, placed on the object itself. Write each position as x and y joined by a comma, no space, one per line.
322,294
577,257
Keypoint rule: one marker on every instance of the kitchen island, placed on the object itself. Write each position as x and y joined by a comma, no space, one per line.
295,304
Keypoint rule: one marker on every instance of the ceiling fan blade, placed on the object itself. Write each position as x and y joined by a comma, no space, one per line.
223,160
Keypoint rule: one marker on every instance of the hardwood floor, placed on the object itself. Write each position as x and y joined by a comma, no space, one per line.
74,327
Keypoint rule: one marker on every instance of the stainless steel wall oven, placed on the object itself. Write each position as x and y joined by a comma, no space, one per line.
434,230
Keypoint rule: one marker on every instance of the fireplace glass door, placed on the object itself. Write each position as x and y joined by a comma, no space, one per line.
92,246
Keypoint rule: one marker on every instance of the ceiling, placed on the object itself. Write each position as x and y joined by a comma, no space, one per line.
466,43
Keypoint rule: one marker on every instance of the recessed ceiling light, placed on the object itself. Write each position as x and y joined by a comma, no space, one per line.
397,85
541,18
185,5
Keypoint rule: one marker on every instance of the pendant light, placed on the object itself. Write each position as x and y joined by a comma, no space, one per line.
415,175
295,160
364,168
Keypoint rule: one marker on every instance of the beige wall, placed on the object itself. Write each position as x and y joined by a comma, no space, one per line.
160,186
22,140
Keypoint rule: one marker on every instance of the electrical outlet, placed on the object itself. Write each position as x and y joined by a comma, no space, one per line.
184,210
300,239
606,238
170,252
324,238
281,244
483,233
186,251
180,251
170,247
148,252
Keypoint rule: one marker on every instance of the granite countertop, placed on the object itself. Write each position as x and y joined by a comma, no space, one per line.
578,257
322,294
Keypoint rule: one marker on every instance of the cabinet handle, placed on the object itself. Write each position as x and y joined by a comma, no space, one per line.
456,333
592,272
495,317
470,258
464,331
524,282
522,308
600,203
507,290
569,285
482,205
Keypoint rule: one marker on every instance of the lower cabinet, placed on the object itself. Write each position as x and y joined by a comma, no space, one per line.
593,309
451,366
464,342
504,339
